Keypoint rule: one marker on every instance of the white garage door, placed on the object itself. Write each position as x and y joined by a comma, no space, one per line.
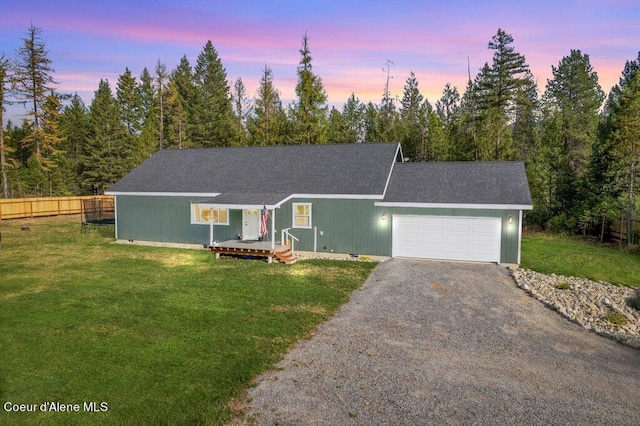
446,237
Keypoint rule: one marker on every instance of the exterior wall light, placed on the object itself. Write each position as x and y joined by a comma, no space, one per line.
384,215
510,220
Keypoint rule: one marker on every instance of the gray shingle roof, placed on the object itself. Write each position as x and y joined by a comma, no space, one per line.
360,169
488,183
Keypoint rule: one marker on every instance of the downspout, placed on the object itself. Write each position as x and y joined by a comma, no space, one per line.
211,226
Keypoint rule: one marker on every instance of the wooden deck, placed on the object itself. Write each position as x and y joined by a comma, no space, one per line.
254,248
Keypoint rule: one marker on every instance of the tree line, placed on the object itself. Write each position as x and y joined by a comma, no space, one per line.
581,147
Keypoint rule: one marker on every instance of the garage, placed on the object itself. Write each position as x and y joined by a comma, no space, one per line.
446,237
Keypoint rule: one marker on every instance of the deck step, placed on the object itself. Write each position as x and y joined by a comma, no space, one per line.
286,257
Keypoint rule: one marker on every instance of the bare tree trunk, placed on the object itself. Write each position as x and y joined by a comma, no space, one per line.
630,205
3,161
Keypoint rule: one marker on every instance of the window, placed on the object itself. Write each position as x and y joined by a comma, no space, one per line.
202,215
301,215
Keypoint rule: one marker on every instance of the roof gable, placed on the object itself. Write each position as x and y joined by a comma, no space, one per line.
349,169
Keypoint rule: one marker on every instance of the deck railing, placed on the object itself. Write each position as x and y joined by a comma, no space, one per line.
286,235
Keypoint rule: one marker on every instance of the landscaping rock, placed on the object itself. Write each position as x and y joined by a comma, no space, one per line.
585,302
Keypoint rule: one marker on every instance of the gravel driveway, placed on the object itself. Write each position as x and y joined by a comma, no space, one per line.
432,342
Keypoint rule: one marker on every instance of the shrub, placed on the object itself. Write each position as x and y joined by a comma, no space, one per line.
616,318
634,302
563,286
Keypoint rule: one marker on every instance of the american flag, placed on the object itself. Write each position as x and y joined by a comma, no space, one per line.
263,223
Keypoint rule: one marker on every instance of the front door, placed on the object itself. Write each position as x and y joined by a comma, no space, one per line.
250,224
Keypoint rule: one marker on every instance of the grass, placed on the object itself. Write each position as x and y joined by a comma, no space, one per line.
568,256
616,318
165,336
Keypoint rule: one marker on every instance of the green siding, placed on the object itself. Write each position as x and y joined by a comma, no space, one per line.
356,226
343,225
168,219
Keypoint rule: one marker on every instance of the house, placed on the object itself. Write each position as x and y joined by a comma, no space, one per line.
344,198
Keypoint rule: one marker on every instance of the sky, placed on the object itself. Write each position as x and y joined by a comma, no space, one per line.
350,41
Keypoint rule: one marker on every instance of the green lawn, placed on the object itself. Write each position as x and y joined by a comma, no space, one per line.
161,335
575,257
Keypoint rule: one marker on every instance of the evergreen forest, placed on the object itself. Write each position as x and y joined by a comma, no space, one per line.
581,146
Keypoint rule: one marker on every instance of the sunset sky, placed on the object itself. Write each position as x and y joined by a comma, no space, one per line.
350,41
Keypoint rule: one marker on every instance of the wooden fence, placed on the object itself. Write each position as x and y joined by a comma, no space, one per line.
15,208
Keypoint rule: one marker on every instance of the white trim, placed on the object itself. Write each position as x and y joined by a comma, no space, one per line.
165,194
215,194
386,185
194,221
239,206
273,229
340,196
293,215
456,206
115,216
519,235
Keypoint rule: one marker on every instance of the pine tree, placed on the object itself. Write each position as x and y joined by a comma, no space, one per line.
33,78
267,123
130,113
573,98
353,112
6,161
310,111
371,124
413,120
498,89
435,146
213,122
183,80
74,126
241,109
149,135
336,127
176,118
626,146
448,110
106,157
130,102
387,117
160,88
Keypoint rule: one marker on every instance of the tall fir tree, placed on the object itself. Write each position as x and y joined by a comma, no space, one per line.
161,78
130,102
336,127
74,125
413,120
34,80
387,118
573,98
176,118
213,120
626,148
448,110
353,112
6,160
309,113
498,89
106,157
183,79
149,136
130,112
241,109
268,121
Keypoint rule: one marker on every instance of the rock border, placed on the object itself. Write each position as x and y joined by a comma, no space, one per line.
585,302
